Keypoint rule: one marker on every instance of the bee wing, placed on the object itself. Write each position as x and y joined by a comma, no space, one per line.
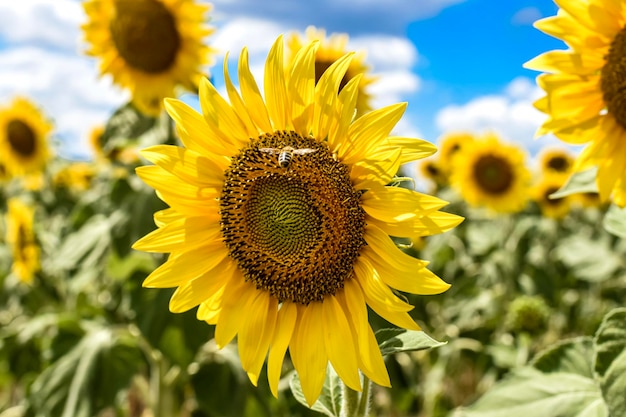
304,151
270,150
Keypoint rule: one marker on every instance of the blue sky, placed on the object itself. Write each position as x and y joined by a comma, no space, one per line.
458,63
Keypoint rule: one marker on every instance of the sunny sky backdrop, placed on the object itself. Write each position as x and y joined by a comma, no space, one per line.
458,63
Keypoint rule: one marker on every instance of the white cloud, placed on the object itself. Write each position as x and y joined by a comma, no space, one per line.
510,114
52,23
65,86
526,16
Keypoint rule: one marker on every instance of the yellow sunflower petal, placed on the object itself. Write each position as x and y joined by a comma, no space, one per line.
285,324
186,266
340,347
308,355
301,86
566,61
251,95
326,114
238,104
198,290
236,300
188,232
256,332
276,99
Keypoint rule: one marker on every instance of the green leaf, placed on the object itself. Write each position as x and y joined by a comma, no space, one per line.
589,260
579,182
610,360
572,356
89,377
615,221
329,401
529,392
393,341
127,123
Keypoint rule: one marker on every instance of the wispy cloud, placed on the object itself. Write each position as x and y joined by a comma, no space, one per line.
510,114
526,16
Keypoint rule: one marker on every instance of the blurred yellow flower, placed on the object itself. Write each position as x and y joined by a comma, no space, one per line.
126,155
549,183
76,176
449,146
584,87
149,46
430,169
24,134
492,174
279,220
21,240
330,49
556,160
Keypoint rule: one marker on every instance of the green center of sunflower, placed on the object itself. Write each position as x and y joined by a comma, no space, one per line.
559,163
322,66
613,78
291,218
21,138
145,35
493,174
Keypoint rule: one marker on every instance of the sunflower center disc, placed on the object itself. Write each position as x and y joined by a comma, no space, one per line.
291,218
559,164
21,137
493,174
145,35
613,78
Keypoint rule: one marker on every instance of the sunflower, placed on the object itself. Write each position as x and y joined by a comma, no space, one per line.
76,176
492,174
584,87
549,183
149,46
430,169
21,239
556,160
23,138
332,48
127,155
279,220
449,146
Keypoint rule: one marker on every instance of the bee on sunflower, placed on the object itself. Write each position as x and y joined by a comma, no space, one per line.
289,256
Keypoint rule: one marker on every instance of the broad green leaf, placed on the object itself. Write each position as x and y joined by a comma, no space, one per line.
579,182
125,125
572,356
610,360
529,392
329,401
615,221
393,341
589,260
89,377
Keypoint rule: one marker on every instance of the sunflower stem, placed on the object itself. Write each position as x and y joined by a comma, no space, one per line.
354,403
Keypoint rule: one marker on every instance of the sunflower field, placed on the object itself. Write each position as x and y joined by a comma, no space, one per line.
278,250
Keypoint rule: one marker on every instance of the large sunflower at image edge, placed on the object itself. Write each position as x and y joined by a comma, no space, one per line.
331,48
149,46
279,220
21,240
585,100
24,133
492,174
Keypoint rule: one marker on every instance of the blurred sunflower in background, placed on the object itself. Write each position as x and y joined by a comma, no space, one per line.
584,87
128,155
449,146
492,174
149,47
21,240
75,175
549,183
332,48
555,160
430,169
24,135
279,219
